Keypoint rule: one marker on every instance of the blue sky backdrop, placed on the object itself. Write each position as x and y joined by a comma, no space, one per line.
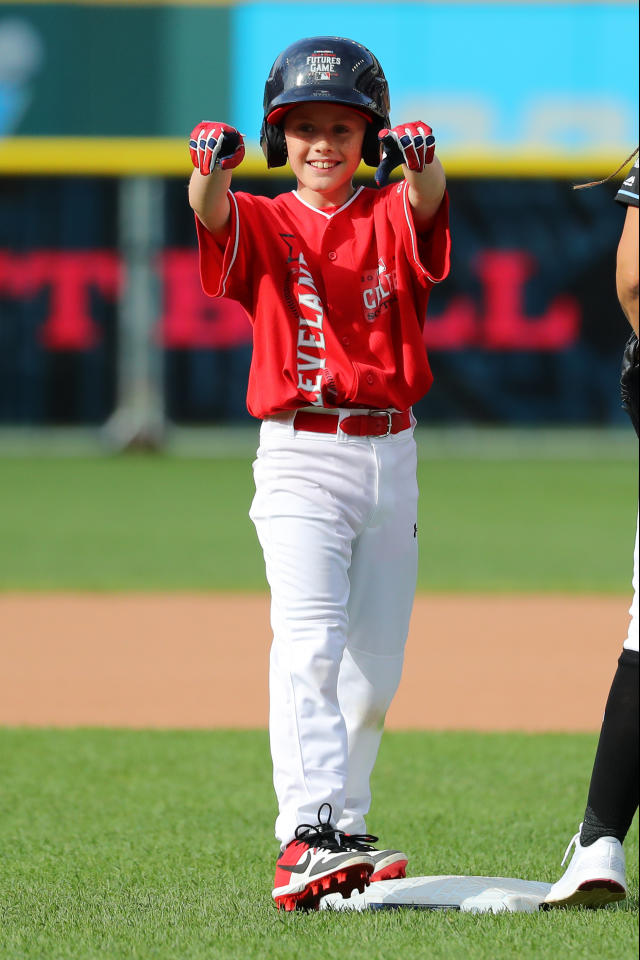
536,76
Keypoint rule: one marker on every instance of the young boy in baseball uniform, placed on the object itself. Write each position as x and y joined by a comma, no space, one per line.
336,281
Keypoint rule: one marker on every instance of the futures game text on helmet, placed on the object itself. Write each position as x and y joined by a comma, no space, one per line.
325,70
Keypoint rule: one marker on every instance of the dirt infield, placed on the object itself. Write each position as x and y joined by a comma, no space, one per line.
485,663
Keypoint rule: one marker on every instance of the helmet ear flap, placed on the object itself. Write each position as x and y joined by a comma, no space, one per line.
274,145
371,144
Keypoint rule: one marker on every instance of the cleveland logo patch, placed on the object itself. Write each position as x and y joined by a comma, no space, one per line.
378,289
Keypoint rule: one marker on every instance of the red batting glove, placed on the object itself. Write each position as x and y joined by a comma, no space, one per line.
215,144
411,143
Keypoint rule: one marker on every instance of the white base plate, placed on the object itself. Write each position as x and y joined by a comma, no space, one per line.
468,894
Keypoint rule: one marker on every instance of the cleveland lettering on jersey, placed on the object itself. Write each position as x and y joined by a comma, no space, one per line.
311,352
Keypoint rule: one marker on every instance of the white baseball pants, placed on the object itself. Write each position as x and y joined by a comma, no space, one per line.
336,518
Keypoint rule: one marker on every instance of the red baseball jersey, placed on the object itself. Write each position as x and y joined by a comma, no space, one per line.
337,297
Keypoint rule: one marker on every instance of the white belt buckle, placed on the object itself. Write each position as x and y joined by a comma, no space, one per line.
383,413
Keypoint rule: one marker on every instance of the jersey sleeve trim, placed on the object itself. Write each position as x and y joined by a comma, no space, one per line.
216,261
628,192
235,236
622,195
415,251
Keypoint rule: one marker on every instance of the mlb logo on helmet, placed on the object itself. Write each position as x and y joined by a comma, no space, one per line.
322,64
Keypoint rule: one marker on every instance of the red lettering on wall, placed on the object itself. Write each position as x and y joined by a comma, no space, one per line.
192,320
504,274
70,276
455,327
499,322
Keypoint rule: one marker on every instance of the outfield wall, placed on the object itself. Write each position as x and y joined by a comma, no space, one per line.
97,98
527,329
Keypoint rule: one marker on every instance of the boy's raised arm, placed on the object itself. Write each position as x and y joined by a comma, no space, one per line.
215,149
413,145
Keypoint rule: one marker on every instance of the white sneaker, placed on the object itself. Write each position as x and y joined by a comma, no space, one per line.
594,877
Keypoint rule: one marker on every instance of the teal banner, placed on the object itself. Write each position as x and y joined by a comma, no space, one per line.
111,71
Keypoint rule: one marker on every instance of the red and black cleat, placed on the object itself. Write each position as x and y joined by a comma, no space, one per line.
320,860
344,883
388,865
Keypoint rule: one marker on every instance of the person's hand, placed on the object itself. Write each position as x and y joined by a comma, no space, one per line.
214,144
410,143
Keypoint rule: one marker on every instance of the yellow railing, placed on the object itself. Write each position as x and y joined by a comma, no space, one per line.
168,156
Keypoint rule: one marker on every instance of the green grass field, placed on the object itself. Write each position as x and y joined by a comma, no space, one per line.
123,845
159,846
167,523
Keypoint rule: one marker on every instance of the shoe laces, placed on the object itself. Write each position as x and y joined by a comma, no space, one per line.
574,841
361,841
324,834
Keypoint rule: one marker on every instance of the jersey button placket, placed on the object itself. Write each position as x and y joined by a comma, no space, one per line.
329,238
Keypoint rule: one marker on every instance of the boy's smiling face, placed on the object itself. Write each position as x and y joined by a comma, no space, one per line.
324,146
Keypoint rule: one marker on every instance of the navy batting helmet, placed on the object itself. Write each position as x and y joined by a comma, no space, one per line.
324,70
